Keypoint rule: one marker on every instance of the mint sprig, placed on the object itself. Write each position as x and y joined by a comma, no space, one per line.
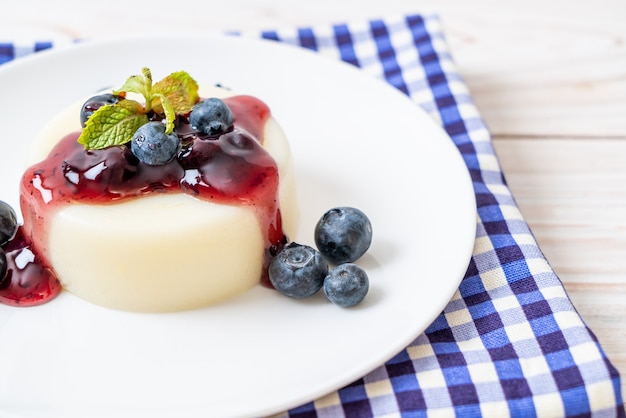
116,124
113,125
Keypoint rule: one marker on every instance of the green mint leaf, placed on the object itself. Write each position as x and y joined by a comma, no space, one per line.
180,89
168,109
116,124
113,125
139,84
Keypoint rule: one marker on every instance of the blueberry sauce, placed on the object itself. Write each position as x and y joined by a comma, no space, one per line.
27,282
230,168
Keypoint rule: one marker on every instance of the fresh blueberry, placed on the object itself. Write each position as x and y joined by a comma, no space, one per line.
298,271
3,265
94,103
8,223
153,146
211,116
346,285
343,234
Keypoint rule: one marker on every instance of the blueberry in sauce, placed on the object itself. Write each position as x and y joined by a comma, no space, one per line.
94,103
3,265
152,146
211,116
8,223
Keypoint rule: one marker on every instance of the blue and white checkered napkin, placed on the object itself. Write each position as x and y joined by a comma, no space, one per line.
509,343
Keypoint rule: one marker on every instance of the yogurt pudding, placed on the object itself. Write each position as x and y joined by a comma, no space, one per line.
190,233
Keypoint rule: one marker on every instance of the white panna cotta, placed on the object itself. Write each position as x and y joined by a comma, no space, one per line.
158,252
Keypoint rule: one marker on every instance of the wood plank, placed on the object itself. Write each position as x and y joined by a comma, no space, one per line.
557,72
572,194
603,310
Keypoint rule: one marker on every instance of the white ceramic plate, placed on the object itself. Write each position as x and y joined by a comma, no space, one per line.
355,141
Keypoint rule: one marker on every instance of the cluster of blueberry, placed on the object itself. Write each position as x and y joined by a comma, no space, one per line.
8,229
342,236
150,144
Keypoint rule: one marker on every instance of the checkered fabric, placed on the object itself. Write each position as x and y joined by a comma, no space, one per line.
509,343
12,50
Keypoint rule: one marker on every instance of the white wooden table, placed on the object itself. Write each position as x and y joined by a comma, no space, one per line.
548,77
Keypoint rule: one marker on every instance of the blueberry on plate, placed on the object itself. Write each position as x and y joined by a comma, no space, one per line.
298,271
343,234
94,103
211,116
346,285
152,146
8,223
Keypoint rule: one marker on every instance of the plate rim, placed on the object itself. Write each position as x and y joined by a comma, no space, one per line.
40,57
